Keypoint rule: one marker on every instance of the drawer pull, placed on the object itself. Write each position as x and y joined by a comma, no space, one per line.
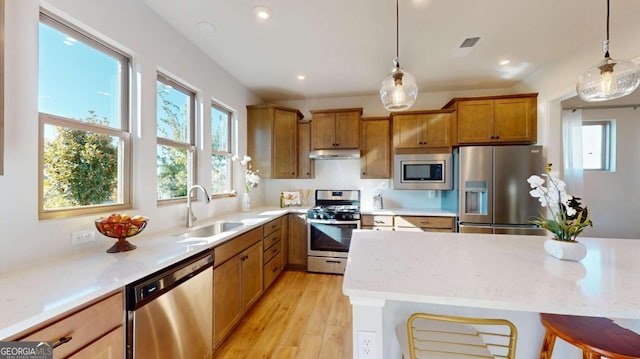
330,261
275,269
62,341
275,250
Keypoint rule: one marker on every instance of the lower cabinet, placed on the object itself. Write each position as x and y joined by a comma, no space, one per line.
272,244
94,331
237,281
297,242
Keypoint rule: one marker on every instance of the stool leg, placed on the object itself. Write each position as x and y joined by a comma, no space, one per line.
590,355
547,345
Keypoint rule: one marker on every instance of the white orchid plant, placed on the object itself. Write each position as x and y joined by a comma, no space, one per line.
568,217
251,178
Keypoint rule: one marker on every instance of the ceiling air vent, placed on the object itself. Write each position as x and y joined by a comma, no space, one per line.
470,42
466,47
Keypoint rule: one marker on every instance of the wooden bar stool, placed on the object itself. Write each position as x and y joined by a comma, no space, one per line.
596,337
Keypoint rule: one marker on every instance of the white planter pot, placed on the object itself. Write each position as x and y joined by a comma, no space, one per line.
570,251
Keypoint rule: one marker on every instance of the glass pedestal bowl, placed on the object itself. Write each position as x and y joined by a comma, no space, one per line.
121,231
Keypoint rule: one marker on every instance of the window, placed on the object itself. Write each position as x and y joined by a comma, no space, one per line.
221,167
596,145
84,149
176,139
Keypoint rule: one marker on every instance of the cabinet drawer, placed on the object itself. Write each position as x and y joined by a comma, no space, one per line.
227,250
83,327
272,269
377,220
374,228
271,226
271,239
424,222
272,251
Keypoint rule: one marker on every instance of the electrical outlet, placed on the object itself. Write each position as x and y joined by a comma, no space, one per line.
82,237
366,345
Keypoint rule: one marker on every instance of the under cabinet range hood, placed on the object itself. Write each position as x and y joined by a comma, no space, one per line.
335,154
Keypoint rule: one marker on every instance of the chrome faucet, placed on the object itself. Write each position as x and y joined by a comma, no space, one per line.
190,216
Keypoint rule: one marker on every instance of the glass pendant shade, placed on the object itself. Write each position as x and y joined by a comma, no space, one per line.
399,90
608,80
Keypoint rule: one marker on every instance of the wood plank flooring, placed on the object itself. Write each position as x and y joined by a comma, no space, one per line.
302,316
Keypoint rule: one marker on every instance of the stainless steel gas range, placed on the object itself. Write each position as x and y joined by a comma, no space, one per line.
330,223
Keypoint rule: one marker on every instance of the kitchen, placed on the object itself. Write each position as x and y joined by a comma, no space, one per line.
27,240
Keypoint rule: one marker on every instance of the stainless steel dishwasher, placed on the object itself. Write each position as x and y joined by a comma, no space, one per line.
170,313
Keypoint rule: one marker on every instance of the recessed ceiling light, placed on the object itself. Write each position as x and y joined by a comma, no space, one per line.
504,62
301,77
262,12
205,26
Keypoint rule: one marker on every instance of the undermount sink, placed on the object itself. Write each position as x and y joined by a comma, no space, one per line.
212,230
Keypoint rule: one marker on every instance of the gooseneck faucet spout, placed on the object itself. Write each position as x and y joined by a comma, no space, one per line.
190,216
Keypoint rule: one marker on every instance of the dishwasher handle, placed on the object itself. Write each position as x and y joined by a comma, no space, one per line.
157,284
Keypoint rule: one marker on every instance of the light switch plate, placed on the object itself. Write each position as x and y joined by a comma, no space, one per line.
82,237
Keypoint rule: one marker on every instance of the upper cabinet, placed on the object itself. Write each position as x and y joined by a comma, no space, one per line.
335,129
496,119
422,129
375,148
306,165
272,140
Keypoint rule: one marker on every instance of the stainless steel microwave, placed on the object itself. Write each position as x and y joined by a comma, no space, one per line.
433,171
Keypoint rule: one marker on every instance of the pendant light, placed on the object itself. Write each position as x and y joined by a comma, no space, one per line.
610,78
399,90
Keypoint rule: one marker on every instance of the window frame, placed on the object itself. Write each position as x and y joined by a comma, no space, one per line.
606,144
124,133
229,153
190,147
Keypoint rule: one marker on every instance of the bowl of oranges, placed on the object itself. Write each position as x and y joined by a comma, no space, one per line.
121,226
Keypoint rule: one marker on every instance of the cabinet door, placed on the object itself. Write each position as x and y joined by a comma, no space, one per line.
323,129
437,127
305,164
110,346
227,297
347,129
407,131
251,274
513,120
297,243
285,144
376,150
475,121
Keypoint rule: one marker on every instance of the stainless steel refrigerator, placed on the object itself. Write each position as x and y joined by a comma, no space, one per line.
494,193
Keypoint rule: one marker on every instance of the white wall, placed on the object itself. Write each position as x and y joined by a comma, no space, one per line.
612,197
153,44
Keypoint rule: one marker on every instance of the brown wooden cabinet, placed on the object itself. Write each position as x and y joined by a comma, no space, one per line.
297,242
496,119
272,140
237,281
333,129
306,165
95,331
273,258
424,223
423,129
375,148
377,222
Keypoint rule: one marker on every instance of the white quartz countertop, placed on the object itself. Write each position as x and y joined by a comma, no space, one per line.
41,292
409,212
494,271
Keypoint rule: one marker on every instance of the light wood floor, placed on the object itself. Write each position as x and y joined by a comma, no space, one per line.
303,315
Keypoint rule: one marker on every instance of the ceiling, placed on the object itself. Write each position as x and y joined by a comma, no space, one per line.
346,47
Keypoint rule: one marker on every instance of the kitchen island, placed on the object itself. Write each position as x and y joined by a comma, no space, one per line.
390,275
